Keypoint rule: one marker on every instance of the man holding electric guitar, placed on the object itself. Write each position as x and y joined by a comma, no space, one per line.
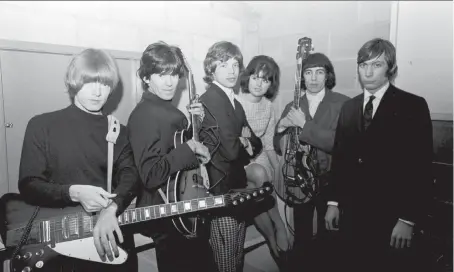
315,114
64,165
153,126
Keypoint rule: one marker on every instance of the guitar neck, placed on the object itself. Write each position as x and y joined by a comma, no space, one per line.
80,225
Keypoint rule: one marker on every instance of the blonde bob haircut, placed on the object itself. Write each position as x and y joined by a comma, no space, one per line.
91,65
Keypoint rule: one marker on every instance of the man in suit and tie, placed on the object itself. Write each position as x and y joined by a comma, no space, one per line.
317,119
381,168
231,141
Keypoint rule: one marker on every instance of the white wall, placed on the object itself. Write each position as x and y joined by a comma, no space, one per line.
337,29
128,26
424,43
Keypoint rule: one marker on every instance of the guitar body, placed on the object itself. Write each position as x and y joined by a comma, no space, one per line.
39,249
185,186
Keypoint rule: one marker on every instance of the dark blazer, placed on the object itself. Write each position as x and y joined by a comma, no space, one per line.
318,131
220,132
382,174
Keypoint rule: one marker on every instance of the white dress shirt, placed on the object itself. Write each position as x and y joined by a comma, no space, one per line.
378,96
314,100
228,91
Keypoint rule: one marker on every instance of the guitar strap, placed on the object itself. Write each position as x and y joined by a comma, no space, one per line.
111,137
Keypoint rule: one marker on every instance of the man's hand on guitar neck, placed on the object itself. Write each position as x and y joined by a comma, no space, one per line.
201,152
92,198
294,118
103,233
196,108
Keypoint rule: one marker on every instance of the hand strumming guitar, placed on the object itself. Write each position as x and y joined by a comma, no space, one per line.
92,198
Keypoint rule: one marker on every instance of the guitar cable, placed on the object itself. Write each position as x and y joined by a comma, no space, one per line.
212,134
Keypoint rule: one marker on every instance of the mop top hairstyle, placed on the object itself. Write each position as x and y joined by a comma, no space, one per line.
268,68
160,58
221,51
319,60
374,49
91,65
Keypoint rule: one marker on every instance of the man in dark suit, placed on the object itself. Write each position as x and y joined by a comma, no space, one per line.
381,167
224,133
317,119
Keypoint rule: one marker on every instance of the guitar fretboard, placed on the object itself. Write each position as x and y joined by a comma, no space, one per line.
80,225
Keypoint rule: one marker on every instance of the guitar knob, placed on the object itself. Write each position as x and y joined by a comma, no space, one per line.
254,194
39,264
242,199
28,255
40,252
18,257
261,191
248,197
26,269
235,202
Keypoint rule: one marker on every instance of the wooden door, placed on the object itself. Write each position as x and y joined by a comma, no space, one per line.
33,83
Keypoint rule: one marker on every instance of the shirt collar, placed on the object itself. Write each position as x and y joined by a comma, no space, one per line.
316,97
228,91
378,94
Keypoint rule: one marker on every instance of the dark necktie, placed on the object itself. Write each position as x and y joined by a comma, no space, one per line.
368,112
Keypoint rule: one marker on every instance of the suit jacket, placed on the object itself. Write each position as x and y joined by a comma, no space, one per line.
383,174
318,131
220,132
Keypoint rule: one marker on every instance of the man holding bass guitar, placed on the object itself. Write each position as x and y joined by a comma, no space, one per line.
152,126
316,117
64,162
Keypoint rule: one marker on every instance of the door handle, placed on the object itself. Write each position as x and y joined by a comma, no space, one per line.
9,125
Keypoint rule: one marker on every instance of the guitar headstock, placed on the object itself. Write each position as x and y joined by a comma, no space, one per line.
239,197
304,48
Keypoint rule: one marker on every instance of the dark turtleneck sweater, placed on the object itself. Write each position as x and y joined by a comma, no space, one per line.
152,125
68,147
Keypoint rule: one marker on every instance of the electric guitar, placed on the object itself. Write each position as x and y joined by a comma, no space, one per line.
193,183
299,167
69,231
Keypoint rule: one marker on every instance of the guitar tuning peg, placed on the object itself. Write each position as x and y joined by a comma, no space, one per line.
242,199
39,264
235,202
254,193
261,191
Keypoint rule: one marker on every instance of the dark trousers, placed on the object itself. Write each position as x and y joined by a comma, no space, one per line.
309,252
176,253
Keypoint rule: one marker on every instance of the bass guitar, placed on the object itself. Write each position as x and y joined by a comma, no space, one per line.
300,182
69,231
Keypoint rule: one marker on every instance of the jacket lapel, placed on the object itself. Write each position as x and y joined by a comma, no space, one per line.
225,101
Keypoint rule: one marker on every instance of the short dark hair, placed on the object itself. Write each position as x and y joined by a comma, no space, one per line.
319,60
160,58
221,51
269,69
91,65
374,49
